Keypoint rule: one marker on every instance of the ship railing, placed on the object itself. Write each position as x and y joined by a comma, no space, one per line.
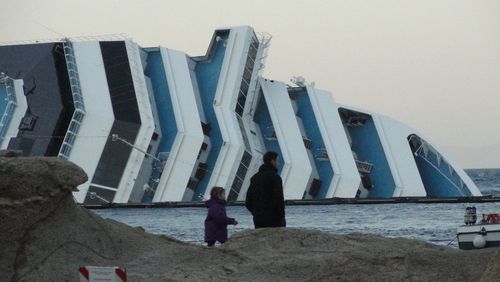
255,61
264,37
264,43
104,37
10,107
79,113
307,142
160,161
364,167
158,165
423,150
271,137
420,152
264,40
322,155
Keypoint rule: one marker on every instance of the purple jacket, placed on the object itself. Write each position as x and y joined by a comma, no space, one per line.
216,221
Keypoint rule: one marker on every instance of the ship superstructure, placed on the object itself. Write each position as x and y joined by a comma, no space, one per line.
157,125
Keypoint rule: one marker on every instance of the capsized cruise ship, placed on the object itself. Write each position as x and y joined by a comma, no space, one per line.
157,125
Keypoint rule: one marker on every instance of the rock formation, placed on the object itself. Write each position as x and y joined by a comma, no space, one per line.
492,272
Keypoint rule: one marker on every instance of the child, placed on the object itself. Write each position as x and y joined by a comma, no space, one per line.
217,221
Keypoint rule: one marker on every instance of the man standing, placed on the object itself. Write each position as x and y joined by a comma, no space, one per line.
265,195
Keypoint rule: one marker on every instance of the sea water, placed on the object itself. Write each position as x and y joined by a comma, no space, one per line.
435,223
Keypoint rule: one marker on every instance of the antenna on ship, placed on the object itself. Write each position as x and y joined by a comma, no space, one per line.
49,29
300,81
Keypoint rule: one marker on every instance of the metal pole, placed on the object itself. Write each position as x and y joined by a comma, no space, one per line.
115,137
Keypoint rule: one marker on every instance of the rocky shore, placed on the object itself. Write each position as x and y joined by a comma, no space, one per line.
45,236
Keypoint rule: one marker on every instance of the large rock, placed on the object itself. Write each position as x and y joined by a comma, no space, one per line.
45,236
492,272
299,254
31,191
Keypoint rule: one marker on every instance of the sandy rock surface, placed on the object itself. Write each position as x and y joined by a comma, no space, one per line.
492,272
45,236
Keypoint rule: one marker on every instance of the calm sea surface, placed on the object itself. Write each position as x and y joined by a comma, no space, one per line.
435,223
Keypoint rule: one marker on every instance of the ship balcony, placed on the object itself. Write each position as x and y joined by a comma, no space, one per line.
322,155
364,167
271,137
307,142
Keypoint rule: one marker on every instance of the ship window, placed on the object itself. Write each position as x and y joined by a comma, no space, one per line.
27,123
314,189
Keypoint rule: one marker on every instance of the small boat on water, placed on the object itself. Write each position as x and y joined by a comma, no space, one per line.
483,234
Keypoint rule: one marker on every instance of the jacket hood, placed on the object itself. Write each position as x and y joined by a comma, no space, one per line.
214,201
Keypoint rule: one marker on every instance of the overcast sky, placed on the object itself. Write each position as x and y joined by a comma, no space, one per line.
434,65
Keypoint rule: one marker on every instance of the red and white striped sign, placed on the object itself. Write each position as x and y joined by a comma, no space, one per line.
102,274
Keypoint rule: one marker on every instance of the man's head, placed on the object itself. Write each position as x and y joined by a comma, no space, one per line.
270,158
